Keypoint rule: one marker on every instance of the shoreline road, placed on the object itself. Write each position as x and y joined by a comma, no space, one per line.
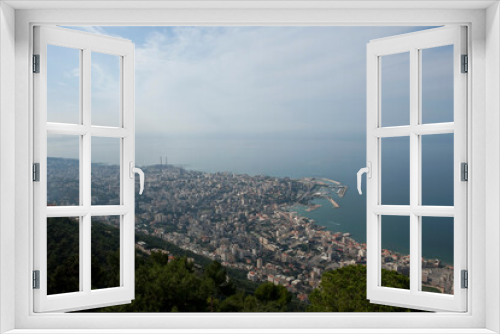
335,204
333,181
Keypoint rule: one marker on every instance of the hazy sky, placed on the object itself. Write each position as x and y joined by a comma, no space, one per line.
224,94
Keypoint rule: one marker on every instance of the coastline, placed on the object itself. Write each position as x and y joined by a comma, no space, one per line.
322,226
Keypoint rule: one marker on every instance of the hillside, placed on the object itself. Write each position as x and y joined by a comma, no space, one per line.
197,285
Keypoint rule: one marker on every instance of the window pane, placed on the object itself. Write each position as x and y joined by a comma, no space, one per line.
395,89
63,170
105,252
437,254
63,84
395,173
63,255
437,84
105,89
105,171
437,170
395,251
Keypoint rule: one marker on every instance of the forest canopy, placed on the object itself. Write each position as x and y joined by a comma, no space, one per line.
173,282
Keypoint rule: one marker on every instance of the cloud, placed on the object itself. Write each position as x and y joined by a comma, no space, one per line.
75,72
105,81
248,81
200,87
252,80
244,81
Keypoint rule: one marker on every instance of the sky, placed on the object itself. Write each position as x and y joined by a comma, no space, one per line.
205,92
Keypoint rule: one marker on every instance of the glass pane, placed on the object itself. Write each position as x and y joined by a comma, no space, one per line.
105,252
437,169
105,89
395,173
105,171
437,254
63,84
437,84
395,251
395,89
63,170
63,255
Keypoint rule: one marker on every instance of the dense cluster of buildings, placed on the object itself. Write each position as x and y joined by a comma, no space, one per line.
436,276
245,222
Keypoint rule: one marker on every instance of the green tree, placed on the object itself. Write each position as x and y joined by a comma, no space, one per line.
268,298
217,282
273,298
63,257
239,302
344,290
64,277
163,286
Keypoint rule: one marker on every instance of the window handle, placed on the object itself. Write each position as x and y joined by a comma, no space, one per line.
133,170
368,171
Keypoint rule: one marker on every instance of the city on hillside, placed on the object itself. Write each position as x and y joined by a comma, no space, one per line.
244,222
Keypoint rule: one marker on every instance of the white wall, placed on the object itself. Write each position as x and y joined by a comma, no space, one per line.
492,167
7,160
23,158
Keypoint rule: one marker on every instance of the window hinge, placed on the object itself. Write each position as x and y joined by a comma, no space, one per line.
465,64
464,167
465,279
36,279
36,63
36,172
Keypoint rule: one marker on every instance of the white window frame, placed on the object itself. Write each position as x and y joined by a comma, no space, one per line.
86,44
482,19
413,44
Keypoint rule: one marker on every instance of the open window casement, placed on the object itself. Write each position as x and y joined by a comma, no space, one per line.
415,130
75,202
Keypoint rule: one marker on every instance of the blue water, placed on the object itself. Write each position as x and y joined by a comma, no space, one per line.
336,219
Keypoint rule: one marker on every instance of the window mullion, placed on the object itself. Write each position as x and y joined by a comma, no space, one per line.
86,154
82,181
418,166
414,169
85,161
86,253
